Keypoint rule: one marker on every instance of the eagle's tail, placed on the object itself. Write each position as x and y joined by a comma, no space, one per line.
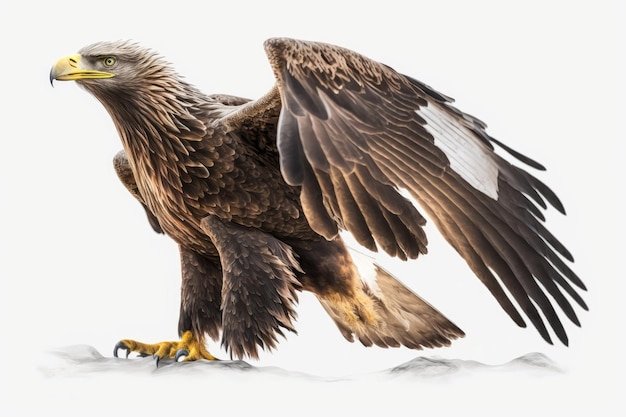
386,313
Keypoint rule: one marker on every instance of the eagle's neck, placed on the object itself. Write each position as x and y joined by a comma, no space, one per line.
166,133
157,116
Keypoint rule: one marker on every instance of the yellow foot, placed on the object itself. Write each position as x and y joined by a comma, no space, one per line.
189,348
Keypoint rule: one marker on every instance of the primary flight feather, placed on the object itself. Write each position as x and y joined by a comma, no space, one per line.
255,193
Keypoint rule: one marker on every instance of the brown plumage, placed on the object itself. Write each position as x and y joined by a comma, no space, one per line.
256,192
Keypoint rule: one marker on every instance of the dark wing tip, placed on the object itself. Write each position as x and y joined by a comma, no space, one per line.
521,157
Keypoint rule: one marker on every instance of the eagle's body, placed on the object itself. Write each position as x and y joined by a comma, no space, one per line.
255,192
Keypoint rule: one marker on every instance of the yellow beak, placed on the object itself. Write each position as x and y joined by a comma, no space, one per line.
69,69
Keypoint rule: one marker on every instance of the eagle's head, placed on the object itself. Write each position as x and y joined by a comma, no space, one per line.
139,88
119,67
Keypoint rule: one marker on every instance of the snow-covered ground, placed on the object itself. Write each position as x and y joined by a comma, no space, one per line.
78,380
80,268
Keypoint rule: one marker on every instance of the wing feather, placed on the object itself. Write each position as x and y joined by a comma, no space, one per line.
349,211
316,209
354,132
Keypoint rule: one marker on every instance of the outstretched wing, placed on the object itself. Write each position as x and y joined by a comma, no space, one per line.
353,132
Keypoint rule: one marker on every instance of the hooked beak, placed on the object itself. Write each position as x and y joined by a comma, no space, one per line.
69,69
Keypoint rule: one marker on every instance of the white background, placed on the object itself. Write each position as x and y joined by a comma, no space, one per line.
80,265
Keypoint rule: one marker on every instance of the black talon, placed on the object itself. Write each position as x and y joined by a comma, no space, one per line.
181,353
157,358
118,346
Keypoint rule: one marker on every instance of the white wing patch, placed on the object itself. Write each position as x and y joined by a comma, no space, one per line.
467,154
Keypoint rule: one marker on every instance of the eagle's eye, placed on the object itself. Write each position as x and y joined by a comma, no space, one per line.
108,61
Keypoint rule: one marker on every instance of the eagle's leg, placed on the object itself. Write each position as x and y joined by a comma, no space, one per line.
259,286
200,313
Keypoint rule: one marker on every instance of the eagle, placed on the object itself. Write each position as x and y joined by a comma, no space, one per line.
257,194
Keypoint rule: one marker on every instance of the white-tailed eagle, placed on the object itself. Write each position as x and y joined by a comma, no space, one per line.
255,193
